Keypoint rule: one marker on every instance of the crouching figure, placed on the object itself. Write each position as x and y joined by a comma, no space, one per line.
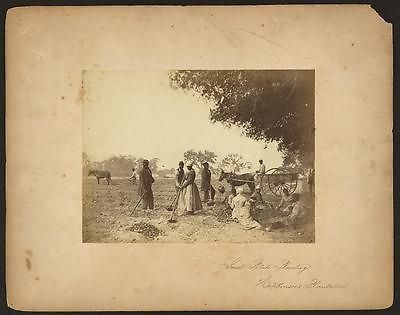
294,213
242,209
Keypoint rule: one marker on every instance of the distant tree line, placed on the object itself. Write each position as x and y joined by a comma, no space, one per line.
121,165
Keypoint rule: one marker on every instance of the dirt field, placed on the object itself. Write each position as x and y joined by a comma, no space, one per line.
106,218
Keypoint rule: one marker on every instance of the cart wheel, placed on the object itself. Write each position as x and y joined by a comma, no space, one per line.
265,181
280,178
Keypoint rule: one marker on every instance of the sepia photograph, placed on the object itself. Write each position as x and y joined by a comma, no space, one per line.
150,148
198,156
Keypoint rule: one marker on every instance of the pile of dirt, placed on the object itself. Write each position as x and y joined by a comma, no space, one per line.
224,215
148,230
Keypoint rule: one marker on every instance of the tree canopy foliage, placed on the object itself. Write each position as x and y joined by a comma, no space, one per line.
268,105
234,163
198,157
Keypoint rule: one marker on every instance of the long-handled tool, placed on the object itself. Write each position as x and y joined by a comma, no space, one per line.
171,219
171,206
140,199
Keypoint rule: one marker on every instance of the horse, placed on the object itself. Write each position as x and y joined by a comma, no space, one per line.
101,174
238,179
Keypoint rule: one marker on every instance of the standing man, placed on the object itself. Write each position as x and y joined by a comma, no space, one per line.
258,177
206,186
310,180
145,181
180,173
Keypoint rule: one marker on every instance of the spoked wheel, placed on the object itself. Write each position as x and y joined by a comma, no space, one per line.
281,178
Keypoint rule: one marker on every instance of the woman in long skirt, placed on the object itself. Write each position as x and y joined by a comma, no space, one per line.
189,196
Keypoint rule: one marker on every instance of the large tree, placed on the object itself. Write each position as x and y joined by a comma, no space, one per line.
198,157
269,105
234,163
119,165
152,164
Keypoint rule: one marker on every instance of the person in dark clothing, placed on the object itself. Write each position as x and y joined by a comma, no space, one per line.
257,195
180,173
145,181
310,180
206,186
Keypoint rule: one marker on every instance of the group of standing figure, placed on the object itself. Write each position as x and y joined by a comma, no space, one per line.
188,196
290,210
187,191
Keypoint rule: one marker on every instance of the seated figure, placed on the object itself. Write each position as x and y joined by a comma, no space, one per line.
242,211
294,213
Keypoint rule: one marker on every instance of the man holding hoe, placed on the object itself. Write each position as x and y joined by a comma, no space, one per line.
145,181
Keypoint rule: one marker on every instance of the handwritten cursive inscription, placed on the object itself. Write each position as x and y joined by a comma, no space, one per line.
271,273
269,283
237,263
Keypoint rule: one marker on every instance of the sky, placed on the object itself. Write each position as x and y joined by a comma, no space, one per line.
137,113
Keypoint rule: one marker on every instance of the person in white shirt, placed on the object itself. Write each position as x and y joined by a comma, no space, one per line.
132,178
258,177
